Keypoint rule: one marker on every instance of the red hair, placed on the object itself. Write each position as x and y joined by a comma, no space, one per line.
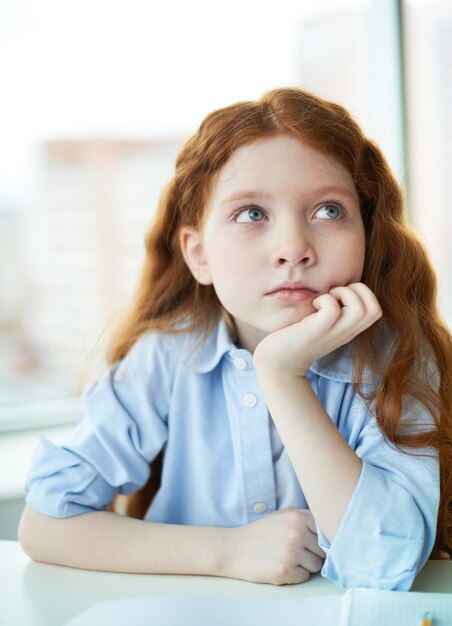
397,268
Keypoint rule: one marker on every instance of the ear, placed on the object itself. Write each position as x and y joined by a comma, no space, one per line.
192,248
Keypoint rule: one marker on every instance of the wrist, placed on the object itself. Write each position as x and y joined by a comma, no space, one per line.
279,374
227,552
266,365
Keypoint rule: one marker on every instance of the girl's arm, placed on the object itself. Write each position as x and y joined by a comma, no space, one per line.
280,549
326,467
105,541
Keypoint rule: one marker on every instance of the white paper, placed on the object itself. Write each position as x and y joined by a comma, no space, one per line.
374,607
181,610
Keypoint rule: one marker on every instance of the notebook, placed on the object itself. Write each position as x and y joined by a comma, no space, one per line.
373,607
357,607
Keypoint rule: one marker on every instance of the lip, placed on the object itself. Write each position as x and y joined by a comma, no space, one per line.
292,291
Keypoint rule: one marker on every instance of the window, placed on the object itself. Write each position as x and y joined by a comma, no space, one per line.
428,51
97,110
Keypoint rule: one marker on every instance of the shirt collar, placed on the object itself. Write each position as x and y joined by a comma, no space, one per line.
338,365
205,353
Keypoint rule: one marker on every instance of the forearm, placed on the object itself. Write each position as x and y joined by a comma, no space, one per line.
326,467
109,542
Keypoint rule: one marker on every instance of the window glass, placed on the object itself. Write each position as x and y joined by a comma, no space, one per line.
428,53
99,98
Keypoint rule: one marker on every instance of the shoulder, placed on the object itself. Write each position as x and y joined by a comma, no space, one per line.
145,376
166,351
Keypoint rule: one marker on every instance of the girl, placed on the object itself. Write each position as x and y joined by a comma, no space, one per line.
283,358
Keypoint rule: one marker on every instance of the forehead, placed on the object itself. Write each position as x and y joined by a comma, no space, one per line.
276,161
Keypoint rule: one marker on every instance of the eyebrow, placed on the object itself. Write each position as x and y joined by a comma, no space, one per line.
242,195
337,189
325,191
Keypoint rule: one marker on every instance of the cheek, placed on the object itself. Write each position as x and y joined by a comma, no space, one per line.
232,269
356,256
350,261
229,273
226,257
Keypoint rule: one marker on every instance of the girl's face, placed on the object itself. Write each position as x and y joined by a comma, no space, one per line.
282,226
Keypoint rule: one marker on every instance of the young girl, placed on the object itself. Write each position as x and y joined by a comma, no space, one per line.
285,361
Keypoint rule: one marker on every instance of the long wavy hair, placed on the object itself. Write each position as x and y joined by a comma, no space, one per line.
397,270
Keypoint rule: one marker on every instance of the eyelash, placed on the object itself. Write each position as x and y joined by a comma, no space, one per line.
247,207
244,208
336,203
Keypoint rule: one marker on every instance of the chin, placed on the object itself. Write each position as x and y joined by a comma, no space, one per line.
288,320
297,315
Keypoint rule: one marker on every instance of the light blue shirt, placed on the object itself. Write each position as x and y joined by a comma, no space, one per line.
224,463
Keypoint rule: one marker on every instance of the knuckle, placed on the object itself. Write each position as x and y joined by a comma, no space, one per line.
360,310
316,565
291,516
297,516
319,566
378,311
304,576
282,569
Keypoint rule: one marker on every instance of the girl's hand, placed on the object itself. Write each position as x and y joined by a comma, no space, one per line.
342,314
280,549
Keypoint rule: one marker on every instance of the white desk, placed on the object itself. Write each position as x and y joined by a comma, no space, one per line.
34,594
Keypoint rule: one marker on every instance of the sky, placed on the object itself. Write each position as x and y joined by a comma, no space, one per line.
134,68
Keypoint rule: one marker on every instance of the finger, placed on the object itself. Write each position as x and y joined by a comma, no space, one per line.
349,298
312,544
310,520
369,298
328,310
310,561
358,295
296,575
355,313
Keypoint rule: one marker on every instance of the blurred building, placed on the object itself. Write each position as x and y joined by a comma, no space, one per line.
86,246
10,267
17,357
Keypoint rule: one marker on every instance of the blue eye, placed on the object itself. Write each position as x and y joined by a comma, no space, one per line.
329,212
251,214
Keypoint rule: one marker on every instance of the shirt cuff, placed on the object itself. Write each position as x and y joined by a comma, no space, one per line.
62,484
382,538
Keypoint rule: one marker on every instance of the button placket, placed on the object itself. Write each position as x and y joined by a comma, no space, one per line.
260,507
257,460
249,400
240,363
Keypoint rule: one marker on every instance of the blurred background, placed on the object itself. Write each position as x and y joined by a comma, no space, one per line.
98,97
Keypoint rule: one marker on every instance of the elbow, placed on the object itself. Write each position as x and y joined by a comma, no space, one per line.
25,533
385,537
32,531
383,562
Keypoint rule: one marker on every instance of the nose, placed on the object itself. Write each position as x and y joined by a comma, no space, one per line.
292,247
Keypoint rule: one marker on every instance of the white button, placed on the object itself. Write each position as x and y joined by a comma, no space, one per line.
249,400
259,507
240,363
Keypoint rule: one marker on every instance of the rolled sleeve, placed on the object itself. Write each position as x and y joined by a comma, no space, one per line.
60,483
388,530
110,450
